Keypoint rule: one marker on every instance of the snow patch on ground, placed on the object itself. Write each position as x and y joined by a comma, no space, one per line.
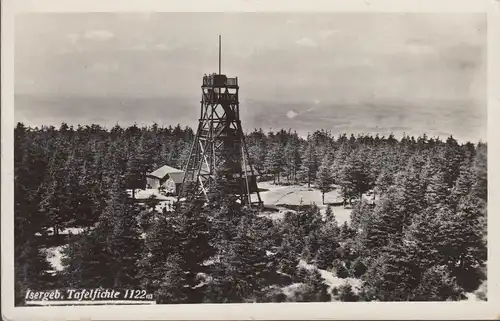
295,195
270,185
279,196
274,215
341,214
331,280
471,297
168,205
65,231
291,290
479,295
54,257
147,193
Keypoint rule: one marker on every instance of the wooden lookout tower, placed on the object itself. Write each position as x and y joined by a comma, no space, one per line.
219,145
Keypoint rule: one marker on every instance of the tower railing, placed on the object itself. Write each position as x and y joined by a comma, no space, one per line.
215,80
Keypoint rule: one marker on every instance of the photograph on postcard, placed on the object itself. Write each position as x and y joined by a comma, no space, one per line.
172,158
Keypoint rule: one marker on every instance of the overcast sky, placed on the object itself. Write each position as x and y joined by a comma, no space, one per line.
308,58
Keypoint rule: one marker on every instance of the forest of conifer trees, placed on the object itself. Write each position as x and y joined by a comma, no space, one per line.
423,240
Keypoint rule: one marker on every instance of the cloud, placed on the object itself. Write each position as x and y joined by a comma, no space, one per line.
420,49
150,46
467,64
73,37
161,46
306,42
325,34
104,67
136,16
145,46
139,47
291,114
98,34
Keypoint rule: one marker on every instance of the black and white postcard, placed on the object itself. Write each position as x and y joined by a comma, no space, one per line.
249,160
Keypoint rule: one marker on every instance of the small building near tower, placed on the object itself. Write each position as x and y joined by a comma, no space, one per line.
167,178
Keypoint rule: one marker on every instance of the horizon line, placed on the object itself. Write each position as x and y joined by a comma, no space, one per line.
396,135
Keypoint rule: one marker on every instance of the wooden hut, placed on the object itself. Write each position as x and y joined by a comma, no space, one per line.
165,177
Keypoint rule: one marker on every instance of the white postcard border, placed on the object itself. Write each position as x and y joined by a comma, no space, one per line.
268,311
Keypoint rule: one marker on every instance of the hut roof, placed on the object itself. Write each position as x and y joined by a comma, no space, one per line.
177,177
164,171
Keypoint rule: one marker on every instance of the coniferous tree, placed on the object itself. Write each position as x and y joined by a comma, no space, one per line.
481,172
358,268
310,163
287,257
257,149
242,268
391,277
464,183
384,180
123,241
311,246
385,225
31,270
408,192
453,156
112,248
57,202
462,239
361,215
346,182
193,242
183,150
275,163
293,159
328,246
346,232
171,287
224,210
339,268
325,177
314,289
420,240
437,191
182,241
136,174
353,177
159,244
329,215
86,262
346,294
437,284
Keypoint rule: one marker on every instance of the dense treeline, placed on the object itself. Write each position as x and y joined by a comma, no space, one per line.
424,239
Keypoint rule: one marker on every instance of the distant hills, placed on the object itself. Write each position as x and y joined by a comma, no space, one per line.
438,118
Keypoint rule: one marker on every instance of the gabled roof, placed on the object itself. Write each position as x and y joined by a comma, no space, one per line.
164,170
177,177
